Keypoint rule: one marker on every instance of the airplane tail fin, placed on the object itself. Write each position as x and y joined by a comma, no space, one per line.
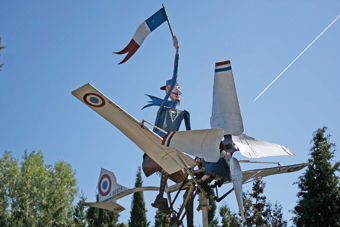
108,187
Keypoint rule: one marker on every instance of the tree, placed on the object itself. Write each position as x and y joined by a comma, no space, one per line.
211,213
35,194
79,215
275,218
255,209
319,196
97,217
9,173
229,219
160,218
258,212
1,48
138,211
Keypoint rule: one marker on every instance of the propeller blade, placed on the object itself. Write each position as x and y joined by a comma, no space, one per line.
236,174
226,112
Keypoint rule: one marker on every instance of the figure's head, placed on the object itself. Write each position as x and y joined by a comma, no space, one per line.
175,94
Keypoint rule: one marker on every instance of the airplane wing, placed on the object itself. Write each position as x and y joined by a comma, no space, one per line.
271,171
254,148
107,206
168,158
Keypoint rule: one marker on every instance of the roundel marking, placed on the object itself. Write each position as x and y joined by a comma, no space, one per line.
118,208
296,168
104,185
93,100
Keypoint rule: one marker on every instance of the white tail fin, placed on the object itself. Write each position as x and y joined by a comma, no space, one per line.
107,185
226,110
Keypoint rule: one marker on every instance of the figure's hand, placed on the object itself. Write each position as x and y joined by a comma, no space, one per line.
175,41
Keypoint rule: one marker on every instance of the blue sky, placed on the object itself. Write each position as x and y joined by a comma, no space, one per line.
54,47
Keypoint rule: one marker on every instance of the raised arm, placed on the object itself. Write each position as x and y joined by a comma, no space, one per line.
174,77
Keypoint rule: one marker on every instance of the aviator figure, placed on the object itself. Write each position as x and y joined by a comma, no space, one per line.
168,119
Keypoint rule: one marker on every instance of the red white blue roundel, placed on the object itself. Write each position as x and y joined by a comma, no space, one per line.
104,185
296,168
94,100
118,209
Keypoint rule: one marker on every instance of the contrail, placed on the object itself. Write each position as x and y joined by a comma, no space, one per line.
298,56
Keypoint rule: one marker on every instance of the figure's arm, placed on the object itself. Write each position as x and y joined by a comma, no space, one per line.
187,120
174,77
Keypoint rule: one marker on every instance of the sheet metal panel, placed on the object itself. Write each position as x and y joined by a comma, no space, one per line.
200,143
272,171
226,112
255,148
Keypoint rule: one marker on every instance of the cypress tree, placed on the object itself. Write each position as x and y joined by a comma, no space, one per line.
138,211
159,219
319,196
211,213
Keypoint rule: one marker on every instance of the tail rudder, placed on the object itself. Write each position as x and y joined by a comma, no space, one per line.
107,185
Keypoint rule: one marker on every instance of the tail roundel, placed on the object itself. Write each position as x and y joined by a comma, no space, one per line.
107,185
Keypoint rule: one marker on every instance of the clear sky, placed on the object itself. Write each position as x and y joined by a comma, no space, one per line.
54,47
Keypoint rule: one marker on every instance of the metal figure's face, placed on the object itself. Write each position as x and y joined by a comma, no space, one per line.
175,94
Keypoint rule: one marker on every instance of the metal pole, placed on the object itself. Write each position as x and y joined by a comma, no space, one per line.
167,18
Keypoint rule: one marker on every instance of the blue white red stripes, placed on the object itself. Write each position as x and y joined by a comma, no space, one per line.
287,150
142,32
222,66
167,138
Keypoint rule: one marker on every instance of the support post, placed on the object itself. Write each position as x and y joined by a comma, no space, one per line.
204,206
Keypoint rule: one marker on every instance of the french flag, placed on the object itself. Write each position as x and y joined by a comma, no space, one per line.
142,32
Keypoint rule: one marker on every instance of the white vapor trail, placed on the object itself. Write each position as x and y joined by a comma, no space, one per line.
298,56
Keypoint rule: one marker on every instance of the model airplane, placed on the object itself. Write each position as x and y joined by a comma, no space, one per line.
212,167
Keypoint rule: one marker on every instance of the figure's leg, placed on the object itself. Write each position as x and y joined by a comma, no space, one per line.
160,202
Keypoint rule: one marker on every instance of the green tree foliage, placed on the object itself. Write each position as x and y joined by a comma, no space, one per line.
275,218
138,211
258,212
9,173
101,218
319,196
213,222
1,48
229,218
34,194
255,209
159,219
79,215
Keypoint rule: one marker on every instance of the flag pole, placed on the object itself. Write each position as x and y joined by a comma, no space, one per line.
167,18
